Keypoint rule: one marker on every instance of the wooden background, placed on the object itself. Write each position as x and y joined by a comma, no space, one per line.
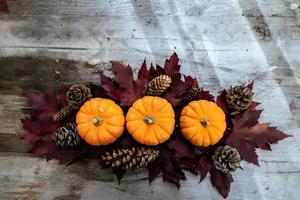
46,42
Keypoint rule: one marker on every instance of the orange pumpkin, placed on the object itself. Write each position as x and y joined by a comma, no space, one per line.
100,121
202,123
150,120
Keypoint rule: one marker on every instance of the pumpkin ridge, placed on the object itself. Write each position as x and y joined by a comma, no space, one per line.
138,111
145,107
163,128
203,110
212,112
195,111
187,116
86,132
99,136
154,133
162,132
166,105
216,127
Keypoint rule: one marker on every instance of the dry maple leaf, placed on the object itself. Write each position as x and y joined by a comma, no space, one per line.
221,181
123,87
248,134
3,6
168,164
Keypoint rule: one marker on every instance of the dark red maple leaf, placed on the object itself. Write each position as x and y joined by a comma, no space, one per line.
41,127
204,166
205,95
221,181
248,134
68,156
3,6
123,87
183,150
221,101
172,67
175,93
253,105
181,147
168,164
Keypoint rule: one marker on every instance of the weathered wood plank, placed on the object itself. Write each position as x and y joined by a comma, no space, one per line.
125,8
22,177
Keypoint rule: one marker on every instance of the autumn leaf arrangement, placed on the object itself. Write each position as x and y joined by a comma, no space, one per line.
161,120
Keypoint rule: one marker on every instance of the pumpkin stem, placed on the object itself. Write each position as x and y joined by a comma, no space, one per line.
97,121
149,119
204,122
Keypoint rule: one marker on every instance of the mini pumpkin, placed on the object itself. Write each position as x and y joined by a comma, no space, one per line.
202,123
100,121
150,120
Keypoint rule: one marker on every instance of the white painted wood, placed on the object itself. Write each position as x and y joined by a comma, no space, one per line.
217,41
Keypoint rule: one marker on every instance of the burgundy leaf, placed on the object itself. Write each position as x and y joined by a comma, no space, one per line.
250,85
168,164
175,92
154,170
123,76
205,95
190,80
221,181
181,147
3,6
98,91
172,67
189,164
68,156
43,148
221,101
248,134
204,166
119,172
33,137
111,89
253,105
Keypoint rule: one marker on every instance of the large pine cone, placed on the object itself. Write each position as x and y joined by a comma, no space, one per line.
67,136
158,86
239,97
77,95
226,159
133,158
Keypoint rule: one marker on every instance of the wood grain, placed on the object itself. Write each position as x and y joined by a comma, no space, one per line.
222,43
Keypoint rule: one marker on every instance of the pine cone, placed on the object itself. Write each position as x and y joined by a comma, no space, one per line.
226,159
199,151
63,113
77,95
192,93
158,85
67,136
129,158
239,97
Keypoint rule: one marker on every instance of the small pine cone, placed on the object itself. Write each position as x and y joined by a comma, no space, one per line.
199,151
67,136
77,95
158,85
226,159
239,98
129,158
62,114
192,93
